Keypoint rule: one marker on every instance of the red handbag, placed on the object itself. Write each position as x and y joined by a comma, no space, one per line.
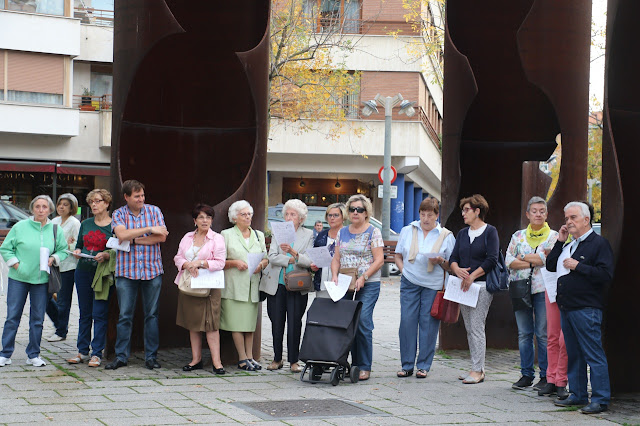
443,309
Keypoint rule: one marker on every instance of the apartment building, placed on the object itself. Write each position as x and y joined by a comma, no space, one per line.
55,98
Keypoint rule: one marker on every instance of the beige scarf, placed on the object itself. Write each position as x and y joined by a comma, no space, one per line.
415,246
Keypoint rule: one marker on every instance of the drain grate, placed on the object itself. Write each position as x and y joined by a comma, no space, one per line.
306,408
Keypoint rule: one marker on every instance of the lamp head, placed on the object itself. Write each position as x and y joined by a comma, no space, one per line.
406,107
369,107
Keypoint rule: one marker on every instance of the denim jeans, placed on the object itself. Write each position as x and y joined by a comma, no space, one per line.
92,312
16,298
59,311
583,339
362,348
127,294
532,321
417,327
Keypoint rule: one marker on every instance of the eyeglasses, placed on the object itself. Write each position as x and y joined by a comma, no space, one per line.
467,210
207,218
357,209
245,215
333,215
92,202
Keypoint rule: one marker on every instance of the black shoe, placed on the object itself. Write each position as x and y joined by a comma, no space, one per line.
523,383
571,401
219,371
115,365
187,367
562,392
594,408
542,383
547,390
152,363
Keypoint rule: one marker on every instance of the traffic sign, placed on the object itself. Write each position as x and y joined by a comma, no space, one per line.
393,192
393,171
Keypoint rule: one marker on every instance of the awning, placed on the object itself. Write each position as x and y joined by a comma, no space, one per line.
79,169
26,166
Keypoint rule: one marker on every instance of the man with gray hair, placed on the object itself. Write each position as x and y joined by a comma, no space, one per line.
585,268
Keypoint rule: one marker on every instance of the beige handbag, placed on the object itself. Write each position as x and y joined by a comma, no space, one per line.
353,273
184,285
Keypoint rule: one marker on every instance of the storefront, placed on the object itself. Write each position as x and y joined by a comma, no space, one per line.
323,192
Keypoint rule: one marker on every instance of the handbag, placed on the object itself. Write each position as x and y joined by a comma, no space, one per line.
55,278
298,281
184,285
443,309
520,293
498,277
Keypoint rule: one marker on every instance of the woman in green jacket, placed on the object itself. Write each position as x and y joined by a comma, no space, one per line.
21,251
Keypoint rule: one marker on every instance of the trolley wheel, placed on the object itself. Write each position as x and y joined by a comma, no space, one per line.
335,376
304,371
354,374
316,372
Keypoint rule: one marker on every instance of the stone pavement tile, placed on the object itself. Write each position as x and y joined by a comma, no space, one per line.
23,418
380,404
213,419
31,394
307,422
28,385
59,400
86,422
179,404
113,382
205,381
237,414
32,409
361,420
193,387
440,419
403,410
130,421
121,405
157,396
579,418
90,414
192,410
99,391
153,412
231,396
519,416
254,386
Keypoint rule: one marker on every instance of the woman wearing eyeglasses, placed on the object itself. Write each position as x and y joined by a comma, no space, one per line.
474,255
92,240
360,246
334,215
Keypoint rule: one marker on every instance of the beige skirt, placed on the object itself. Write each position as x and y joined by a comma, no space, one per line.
199,313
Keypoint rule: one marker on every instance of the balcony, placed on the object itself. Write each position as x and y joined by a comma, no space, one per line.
91,16
92,103
39,119
30,32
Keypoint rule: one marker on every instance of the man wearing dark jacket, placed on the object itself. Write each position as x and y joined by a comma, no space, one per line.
585,268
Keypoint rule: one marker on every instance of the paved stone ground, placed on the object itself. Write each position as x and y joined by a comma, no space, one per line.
64,394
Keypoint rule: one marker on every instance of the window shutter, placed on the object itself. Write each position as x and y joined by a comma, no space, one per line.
36,72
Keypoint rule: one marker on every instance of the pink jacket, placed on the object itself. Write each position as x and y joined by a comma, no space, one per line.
213,251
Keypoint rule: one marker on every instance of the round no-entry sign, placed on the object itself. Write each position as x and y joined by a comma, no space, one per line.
393,171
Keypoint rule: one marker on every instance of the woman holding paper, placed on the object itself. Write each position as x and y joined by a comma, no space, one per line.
474,255
58,309
240,296
92,245
28,249
422,278
360,246
202,249
335,216
284,305
526,256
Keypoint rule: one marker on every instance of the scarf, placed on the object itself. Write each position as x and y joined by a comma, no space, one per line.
535,238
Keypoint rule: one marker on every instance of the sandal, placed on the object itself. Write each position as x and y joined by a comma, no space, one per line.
421,374
275,365
471,381
405,373
246,365
255,364
364,375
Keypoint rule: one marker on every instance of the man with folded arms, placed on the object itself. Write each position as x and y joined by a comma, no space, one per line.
140,268
589,261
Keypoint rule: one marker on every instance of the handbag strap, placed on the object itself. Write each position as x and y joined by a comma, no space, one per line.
258,238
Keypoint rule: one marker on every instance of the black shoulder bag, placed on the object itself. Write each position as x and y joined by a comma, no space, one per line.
520,293
55,279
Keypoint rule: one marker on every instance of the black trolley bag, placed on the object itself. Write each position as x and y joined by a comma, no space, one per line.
329,333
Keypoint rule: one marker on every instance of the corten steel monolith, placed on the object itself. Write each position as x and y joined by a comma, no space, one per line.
621,191
190,120
516,75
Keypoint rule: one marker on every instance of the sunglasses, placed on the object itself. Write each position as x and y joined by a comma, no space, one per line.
357,209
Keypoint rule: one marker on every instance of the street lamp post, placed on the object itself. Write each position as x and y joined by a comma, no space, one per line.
406,107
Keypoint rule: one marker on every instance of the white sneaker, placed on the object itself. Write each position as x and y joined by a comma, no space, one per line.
4,361
36,362
55,338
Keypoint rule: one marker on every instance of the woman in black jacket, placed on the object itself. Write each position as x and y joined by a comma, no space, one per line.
334,215
473,256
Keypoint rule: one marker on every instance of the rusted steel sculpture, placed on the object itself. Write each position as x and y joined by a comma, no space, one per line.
516,76
620,190
190,117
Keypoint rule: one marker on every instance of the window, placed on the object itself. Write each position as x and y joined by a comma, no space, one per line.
47,7
349,100
33,77
334,15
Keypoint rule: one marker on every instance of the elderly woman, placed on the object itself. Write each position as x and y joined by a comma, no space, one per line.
240,296
202,249
526,256
58,309
421,280
360,246
94,311
21,250
335,215
284,305
474,255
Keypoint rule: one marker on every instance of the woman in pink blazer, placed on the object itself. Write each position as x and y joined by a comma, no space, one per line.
201,249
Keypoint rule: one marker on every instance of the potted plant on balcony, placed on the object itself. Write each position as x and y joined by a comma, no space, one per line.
85,104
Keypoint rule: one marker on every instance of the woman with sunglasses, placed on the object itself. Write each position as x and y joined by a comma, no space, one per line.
335,216
360,246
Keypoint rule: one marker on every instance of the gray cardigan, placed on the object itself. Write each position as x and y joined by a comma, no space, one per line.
278,260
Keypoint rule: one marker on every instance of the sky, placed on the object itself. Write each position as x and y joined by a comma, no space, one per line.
596,80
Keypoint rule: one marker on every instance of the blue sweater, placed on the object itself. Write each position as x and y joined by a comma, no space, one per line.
478,254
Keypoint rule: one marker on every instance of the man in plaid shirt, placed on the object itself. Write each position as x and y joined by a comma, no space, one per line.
140,268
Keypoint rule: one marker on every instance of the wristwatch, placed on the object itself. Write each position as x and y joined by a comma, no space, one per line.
522,256
202,263
366,277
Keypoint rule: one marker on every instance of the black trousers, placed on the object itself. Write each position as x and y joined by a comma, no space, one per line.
286,305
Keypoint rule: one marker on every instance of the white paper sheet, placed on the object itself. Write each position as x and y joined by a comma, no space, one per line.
284,232
253,259
337,291
320,256
550,283
433,255
208,279
86,256
44,260
455,294
114,243
560,269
